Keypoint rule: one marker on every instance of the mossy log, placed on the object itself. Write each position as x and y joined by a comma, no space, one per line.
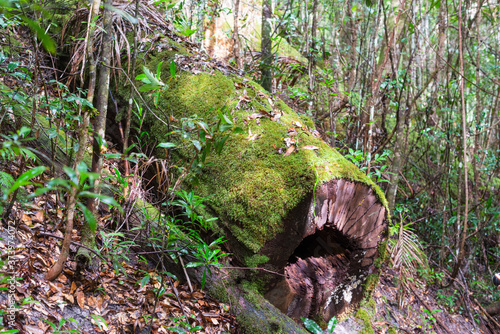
308,214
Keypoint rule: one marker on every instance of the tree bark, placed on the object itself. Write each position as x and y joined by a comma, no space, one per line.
88,237
266,47
54,272
461,252
236,37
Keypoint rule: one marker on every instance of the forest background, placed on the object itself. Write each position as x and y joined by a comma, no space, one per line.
406,90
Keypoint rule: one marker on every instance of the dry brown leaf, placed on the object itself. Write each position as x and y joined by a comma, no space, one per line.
73,287
297,124
80,298
69,298
289,151
33,330
27,220
62,278
38,217
245,98
289,141
251,136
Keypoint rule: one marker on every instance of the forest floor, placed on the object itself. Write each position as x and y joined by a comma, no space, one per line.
123,298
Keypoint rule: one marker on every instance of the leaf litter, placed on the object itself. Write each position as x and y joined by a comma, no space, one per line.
99,302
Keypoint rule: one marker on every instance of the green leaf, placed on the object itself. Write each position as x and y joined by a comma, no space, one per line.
122,13
194,264
172,69
101,323
148,87
25,178
197,144
331,325
238,129
158,70
144,280
12,66
166,145
47,42
103,198
225,127
151,77
311,326
89,217
228,120
143,78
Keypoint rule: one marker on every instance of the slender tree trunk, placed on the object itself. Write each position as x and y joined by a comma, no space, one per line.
312,57
236,36
70,208
461,252
130,100
266,47
479,109
88,238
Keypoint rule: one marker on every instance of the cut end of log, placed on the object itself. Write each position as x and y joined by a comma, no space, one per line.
331,267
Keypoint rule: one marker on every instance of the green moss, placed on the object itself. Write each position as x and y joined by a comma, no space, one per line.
252,187
391,331
254,260
370,284
383,254
366,314
150,211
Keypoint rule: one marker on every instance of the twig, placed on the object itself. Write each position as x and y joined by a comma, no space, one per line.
245,268
43,234
486,313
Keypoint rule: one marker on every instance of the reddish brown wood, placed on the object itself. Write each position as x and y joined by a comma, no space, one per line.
328,253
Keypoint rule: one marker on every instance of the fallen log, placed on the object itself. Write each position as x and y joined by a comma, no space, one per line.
285,200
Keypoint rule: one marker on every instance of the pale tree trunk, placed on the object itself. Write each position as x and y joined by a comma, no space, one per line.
479,109
266,47
236,38
461,252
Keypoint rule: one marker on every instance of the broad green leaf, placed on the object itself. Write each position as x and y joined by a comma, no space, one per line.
151,77
194,264
197,144
122,13
166,145
144,280
311,326
331,325
89,217
47,42
103,198
25,178
172,69
238,129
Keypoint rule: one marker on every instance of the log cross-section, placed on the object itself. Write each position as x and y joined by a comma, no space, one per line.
329,271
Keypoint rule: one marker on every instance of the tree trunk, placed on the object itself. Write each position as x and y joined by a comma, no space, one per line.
461,252
266,47
236,37
88,237
54,272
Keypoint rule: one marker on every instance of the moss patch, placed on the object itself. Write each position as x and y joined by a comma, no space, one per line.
366,314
